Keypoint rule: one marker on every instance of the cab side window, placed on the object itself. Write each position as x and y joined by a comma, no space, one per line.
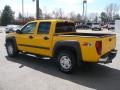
44,28
29,28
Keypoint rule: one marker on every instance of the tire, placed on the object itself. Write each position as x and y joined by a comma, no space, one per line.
11,49
66,61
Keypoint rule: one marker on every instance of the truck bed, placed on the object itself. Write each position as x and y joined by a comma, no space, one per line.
108,39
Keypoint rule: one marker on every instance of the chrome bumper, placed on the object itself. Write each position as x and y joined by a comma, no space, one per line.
107,58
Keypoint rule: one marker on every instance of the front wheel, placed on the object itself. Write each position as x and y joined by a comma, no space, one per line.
11,50
66,61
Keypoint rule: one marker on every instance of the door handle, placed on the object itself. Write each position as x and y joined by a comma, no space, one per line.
30,37
46,38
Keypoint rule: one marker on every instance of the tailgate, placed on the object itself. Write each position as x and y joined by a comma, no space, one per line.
108,43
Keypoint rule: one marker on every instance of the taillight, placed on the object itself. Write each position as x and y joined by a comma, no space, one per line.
98,46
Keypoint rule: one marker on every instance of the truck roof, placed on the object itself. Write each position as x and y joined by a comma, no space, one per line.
53,20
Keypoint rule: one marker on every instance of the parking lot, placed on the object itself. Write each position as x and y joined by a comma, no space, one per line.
33,73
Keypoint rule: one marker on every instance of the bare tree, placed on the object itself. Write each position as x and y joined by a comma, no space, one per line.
20,16
55,14
96,19
78,17
46,15
92,17
58,13
111,10
61,13
40,14
72,16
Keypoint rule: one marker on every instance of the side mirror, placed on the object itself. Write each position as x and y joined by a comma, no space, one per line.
18,32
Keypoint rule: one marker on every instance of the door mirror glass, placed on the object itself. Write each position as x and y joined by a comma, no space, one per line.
18,31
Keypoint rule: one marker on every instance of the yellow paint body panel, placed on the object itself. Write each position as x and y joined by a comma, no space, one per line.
89,53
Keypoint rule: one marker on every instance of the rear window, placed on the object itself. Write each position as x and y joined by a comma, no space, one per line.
65,27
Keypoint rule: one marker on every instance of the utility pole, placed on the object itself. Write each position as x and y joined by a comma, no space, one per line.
37,9
84,9
23,9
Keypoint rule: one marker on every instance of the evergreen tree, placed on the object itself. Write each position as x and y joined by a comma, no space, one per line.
104,17
7,16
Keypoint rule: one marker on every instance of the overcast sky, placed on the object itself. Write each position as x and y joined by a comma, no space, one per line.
95,6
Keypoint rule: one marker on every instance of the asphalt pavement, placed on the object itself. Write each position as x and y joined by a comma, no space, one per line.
27,72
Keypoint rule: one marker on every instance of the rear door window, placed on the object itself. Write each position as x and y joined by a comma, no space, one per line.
44,28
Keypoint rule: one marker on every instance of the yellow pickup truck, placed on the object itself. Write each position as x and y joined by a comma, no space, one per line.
58,39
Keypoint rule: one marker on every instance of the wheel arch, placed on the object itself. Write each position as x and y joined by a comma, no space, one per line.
73,46
12,40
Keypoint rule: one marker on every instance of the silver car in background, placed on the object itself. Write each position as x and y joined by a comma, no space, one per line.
111,26
12,28
96,27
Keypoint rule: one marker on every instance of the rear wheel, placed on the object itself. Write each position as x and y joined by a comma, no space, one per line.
11,50
66,61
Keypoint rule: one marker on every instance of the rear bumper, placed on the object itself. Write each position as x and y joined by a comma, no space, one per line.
107,58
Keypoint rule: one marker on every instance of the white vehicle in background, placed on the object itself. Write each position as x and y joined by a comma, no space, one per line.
12,28
111,26
96,27
117,26
0,31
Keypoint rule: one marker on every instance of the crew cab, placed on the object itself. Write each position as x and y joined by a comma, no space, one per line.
58,39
